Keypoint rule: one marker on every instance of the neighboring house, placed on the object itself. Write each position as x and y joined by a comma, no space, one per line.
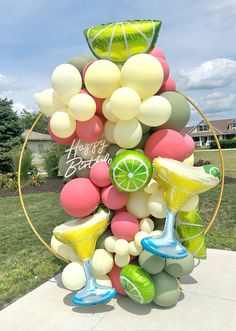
225,129
37,143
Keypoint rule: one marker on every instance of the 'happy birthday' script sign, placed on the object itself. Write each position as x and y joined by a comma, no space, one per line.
83,155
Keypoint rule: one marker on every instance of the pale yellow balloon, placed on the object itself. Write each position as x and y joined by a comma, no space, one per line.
127,134
147,225
143,73
121,247
134,249
106,109
122,150
122,260
125,103
139,237
66,81
156,204
109,128
49,102
189,160
103,280
102,78
102,262
62,124
155,233
137,204
82,107
73,276
109,243
62,249
152,186
154,111
191,204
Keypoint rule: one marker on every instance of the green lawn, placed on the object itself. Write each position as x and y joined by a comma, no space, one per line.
25,263
213,156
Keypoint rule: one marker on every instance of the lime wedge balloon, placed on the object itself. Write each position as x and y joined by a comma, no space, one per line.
118,41
137,284
130,171
213,170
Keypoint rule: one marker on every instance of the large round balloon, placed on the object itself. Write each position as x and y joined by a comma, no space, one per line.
180,267
112,198
128,134
82,107
124,226
109,128
73,276
99,174
167,289
74,197
137,284
61,141
114,274
63,165
180,111
153,264
169,85
66,81
90,130
102,78
106,110
80,61
49,102
102,262
143,73
166,143
138,204
62,124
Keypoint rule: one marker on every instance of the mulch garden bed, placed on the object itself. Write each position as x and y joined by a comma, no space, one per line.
56,185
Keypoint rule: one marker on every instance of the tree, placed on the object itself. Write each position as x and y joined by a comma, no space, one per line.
27,119
10,133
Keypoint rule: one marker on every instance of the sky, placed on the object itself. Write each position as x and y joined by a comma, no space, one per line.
197,37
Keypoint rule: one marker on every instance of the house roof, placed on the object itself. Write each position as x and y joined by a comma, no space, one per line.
220,126
36,136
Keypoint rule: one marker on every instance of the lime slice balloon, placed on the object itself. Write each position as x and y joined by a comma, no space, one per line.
213,170
130,171
118,41
137,284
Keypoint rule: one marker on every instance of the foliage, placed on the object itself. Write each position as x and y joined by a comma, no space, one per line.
35,180
27,118
201,163
10,133
224,144
9,181
26,165
51,159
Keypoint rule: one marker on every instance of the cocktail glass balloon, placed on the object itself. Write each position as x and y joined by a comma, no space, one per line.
180,182
82,235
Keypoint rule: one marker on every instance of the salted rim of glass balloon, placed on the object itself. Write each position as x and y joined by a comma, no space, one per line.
30,223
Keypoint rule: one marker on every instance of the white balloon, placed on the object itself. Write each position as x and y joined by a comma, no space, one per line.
121,247
62,249
109,243
122,261
154,111
82,107
62,124
157,205
147,225
191,204
73,276
49,102
139,236
155,233
102,262
109,131
106,110
103,280
127,134
138,204
151,187
66,81
134,249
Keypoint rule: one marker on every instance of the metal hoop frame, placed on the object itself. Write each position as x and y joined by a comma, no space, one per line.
65,260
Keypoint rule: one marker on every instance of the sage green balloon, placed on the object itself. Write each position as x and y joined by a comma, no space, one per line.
102,238
112,150
145,128
142,142
83,173
80,61
180,111
63,166
167,289
151,263
180,267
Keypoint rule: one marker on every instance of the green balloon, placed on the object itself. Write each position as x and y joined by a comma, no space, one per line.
142,142
79,62
167,289
83,173
101,239
180,111
153,264
112,150
63,165
180,267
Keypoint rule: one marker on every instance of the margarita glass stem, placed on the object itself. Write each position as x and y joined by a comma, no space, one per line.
168,232
91,282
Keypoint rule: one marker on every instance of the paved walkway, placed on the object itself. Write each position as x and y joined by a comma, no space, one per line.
208,303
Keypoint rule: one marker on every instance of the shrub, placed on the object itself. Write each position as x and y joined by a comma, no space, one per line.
35,180
201,163
224,144
51,159
26,165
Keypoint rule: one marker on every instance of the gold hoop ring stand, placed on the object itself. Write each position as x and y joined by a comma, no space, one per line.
65,260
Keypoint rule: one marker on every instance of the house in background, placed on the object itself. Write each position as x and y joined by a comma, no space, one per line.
201,134
37,143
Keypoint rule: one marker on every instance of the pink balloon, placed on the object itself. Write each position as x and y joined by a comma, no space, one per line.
61,141
85,69
166,143
99,174
90,130
99,103
80,197
83,91
124,226
114,199
190,144
157,52
103,118
120,210
165,68
169,85
114,275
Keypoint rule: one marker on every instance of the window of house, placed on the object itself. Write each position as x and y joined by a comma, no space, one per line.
232,126
196,138
203,127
